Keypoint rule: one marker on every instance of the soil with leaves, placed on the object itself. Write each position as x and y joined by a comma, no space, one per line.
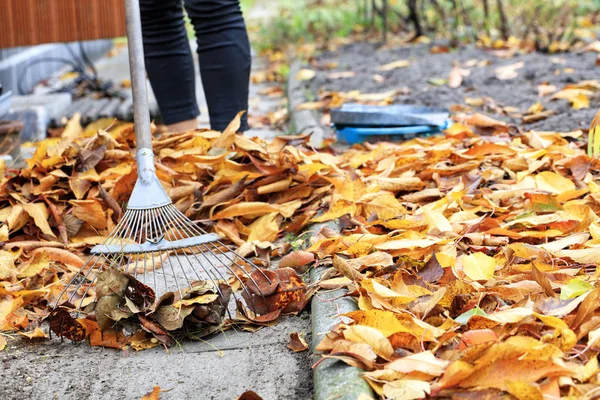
550,92
473,255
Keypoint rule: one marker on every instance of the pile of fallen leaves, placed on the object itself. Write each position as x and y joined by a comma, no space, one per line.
74,190
474,260
473,255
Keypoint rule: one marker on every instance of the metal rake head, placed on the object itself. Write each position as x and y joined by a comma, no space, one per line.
162,248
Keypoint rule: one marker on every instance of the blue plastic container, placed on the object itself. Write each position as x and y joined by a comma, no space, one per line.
357,123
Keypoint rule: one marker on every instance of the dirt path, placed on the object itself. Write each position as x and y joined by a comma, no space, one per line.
521,92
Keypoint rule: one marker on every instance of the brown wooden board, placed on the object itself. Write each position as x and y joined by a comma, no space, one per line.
32,22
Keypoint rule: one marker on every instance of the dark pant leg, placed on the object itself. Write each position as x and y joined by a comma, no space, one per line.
225,59
169,61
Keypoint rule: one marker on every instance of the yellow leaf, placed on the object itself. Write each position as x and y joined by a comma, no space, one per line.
70,133
581,101
265,228
406,244
305,74
445,260
524,390
37,333
203,299
4,233
394,65
90,211
553,182
116,172
340,208
39,213
437,221
7,265
36,265
424,362
371,336
384,321
250,209
478,266
406,389
536,108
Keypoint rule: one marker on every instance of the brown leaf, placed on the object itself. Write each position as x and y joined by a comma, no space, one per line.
111,281
298,260
543,280
432,271
90,211
104,310
79,187
110,202
226,194
171,318
64,325
90,158
345,269
297,343
226,139
249,395
587,309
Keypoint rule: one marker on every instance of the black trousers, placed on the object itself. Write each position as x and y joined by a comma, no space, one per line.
223,51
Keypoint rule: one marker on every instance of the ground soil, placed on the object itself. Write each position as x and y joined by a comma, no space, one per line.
222,367
521,92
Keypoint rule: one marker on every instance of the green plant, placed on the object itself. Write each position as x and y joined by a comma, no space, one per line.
306,21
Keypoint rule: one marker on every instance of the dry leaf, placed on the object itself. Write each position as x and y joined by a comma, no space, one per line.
297,343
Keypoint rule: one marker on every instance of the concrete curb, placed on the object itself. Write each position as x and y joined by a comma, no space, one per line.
303,121
333,379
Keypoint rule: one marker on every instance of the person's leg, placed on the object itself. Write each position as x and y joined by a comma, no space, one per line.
225,59
169,62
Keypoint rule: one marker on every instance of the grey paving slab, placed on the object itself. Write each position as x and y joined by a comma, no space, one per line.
223,367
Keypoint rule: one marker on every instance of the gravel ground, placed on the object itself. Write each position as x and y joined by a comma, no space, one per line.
520,92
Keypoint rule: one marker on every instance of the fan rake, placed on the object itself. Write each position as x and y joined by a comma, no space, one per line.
154,241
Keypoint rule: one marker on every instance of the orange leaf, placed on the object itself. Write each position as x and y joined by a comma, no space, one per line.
153,395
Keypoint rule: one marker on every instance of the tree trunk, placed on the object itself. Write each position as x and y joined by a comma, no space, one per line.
486,16
503,23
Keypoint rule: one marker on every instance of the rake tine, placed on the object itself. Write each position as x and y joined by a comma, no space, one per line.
209,262
188,230
163,220
158,233
196,229
109,239
199,230
188,223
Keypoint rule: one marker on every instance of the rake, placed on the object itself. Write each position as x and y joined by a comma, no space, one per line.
154,241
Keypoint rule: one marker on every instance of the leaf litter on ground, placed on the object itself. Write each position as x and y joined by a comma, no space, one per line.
473,255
